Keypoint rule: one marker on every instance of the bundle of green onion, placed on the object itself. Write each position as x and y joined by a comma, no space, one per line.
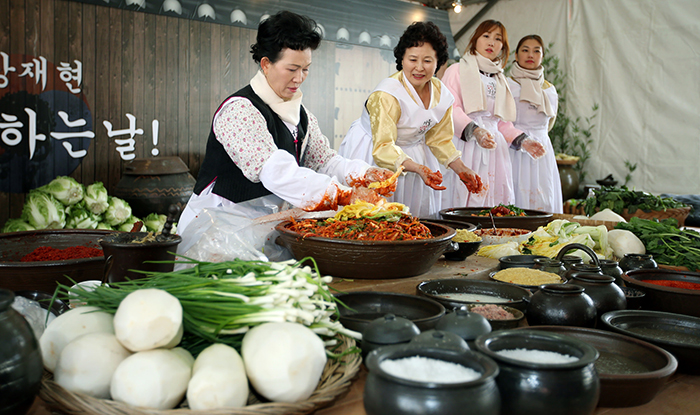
221,301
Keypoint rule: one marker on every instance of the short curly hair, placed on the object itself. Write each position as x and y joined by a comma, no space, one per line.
418,33
284,30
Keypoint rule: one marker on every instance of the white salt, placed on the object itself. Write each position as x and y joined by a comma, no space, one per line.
425,369
537,356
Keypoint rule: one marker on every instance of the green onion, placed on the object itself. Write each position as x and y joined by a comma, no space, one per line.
221,301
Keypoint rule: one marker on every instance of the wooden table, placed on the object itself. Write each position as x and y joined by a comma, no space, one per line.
680,396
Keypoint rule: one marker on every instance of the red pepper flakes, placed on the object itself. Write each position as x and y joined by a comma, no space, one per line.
675,284
47,253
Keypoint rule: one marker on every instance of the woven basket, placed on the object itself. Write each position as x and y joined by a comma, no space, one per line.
335,380
679,214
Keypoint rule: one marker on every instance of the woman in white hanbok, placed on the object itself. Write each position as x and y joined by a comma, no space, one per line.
484,109
537,183
407,122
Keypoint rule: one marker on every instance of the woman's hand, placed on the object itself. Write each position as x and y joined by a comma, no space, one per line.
484,138
358,193
377,174
432,179
533,147
467,176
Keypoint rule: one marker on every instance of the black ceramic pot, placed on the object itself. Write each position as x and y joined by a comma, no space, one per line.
550,265
606,295
528,387
638,261
561,305
569,260
576,269
21,366
612,268
124,254
465,324
387,330
439,339
387,394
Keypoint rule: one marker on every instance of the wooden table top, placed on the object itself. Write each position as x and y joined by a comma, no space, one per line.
680,396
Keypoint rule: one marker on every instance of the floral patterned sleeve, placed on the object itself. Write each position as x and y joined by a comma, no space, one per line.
242,130
318,149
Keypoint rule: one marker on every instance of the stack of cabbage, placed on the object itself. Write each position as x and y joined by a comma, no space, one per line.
65,203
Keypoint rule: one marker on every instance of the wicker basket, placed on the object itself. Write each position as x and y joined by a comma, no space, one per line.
335,380
679,214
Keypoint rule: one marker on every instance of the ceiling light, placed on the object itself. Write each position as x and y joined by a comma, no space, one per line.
237,16
205,10
457,6
172,6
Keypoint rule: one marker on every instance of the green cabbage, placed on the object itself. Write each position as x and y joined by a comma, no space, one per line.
154,222
65,189
17,225
43,211
79,217
104,226
117,212
96,198
128,224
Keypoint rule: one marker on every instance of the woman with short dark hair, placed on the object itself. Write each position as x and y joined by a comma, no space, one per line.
265,151
407,122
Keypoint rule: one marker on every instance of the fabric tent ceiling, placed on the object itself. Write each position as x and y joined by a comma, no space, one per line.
639,60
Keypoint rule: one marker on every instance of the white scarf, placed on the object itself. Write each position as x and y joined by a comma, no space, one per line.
289,111
531,82
473,92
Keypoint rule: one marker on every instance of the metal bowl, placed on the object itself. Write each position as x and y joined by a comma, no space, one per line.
354,259
532,221
44,275
675,333
669,299
438,290
365,306
631,371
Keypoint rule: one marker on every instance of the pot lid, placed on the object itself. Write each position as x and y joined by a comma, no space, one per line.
155,166
466,325
390,329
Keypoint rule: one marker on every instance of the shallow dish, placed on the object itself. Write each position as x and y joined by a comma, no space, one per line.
502,324
353,259
669,299
464,250
365,306
675,333
631,371
43,275
532,221
492,276
509,295
497,236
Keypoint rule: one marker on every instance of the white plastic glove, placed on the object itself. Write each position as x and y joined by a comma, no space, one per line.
533,147
484,138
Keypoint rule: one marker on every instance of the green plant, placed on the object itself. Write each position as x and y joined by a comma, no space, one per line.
630,169
572,136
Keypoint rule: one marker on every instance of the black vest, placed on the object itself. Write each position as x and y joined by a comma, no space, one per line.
217,165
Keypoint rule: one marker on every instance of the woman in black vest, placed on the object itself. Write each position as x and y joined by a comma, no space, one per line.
265,151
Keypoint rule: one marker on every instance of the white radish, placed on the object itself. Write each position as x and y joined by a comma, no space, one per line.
608,215
218,379
153,379
147,319
86,364
284,361
69,326
624,242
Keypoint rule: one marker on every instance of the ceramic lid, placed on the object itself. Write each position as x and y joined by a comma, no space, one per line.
390,329
466,325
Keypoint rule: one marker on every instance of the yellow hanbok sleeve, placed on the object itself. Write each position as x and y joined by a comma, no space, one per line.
384,113
439,140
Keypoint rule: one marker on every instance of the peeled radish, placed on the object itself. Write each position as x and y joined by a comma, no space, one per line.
218,379
284,361
153,379
147,319
69,326
86,364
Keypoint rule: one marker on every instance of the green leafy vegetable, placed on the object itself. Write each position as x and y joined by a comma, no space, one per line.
154,222
96,198
117,212
65,189
43,211
79,217
668,244
619,198
128,224
17,225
